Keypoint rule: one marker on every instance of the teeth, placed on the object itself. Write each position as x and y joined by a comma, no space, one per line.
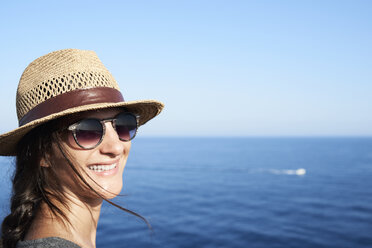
100,168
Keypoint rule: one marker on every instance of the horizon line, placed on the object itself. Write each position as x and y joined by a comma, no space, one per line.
253,136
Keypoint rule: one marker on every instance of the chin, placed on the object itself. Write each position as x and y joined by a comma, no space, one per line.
111,190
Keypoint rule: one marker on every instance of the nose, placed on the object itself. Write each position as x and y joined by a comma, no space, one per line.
111,144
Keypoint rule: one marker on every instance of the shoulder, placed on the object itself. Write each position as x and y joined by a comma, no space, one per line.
54,242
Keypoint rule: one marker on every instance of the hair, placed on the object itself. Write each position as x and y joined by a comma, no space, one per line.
34,184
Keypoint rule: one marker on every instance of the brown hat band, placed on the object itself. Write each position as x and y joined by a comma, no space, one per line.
72,99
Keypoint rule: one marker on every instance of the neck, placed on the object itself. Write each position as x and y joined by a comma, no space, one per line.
81,227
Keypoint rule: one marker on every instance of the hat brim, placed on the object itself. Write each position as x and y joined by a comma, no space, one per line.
145,109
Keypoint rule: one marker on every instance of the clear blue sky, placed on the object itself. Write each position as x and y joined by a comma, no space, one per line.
223,68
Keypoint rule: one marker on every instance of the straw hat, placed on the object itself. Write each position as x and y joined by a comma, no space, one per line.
66,82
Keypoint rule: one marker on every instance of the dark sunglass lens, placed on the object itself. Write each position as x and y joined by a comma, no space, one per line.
126,126
89,133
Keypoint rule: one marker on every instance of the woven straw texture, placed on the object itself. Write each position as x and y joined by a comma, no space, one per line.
63,71
59,72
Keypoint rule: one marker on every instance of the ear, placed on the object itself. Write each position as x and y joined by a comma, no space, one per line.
44,162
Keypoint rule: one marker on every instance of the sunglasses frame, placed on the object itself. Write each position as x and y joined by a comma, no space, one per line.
73,127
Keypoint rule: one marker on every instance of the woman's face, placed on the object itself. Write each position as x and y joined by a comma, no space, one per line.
102,165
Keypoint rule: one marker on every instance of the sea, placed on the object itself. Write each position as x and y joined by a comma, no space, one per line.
272,192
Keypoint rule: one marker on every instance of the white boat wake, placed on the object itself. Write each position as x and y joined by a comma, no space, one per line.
298,172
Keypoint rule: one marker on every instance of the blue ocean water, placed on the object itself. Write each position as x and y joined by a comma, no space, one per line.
240,192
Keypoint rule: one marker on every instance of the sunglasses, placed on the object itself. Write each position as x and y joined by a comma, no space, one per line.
88,133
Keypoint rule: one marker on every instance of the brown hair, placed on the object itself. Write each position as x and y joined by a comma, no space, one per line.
34,184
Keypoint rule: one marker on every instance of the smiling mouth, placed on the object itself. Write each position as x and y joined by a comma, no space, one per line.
102,168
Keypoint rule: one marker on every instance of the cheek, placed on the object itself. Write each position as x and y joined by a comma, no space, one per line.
65,174
70,181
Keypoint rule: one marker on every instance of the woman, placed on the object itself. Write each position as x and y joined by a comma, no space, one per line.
71,147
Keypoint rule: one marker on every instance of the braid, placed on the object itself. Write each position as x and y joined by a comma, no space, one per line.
24,204
27,192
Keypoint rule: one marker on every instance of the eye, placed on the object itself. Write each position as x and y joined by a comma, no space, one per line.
88,132
126,126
